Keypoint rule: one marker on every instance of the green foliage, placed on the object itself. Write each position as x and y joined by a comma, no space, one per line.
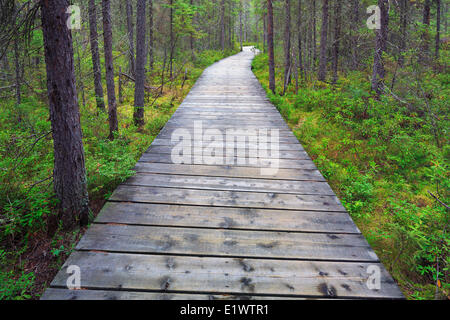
14,286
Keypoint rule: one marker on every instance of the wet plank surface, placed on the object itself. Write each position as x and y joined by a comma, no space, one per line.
225,204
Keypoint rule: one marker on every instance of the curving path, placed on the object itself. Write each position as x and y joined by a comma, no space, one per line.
222,227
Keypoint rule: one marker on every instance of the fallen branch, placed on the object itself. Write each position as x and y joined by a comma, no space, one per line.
148,88
448,208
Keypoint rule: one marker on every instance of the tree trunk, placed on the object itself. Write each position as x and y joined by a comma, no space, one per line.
438,28
337,35
314,32
299,25
270,46
380,46
191,38
403,31
264,32
354,38
323,42
172,45
240,25
17,70
110,86
426,22
95,56
222,25
69,173
139,87
150,36
130,28
287,45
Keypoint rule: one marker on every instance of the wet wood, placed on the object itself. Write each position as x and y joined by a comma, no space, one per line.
223,229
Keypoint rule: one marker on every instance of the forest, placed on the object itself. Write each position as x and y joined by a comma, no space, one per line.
363,85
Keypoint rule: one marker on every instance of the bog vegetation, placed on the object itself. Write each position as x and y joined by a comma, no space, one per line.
369,105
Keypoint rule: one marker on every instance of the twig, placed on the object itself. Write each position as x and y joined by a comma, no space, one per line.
431,194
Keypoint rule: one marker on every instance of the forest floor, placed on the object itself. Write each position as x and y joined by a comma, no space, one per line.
29,257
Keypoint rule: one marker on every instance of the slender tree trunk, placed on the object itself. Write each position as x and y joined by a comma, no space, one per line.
403,31
150,36
438,28
299,26
314,32
172,44
378,74
222,25
323,42
270,46
130,28
337,35
191,38
17,70
93,36
426,22
69,173
139,88
240,25
287,45
120,86
354,38
109,66
265,32
80,74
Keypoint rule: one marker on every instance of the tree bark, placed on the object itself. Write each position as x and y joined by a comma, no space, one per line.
299,25
270,46
150,36
139,87
337,35
323,42
222,25
109,66
69,173
438,28
354,38
403,30
172,44
378,74
287,45
426,22
240,25
130,28
93,37
17,70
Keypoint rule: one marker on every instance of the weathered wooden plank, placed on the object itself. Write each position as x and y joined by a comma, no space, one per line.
66,294
243,162
235,243
167,134
228,171
226,218
232,184
247,153
173,274
223,145
226,198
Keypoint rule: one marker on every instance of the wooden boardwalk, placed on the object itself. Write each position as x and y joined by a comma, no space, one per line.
209,231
